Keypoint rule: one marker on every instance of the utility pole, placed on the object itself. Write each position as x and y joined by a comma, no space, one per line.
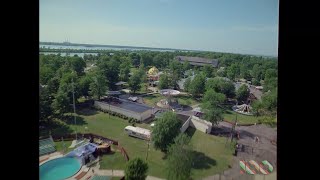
74,111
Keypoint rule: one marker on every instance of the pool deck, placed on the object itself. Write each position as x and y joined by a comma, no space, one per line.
43,159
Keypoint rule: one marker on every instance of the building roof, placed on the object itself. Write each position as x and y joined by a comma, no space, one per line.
198,61
120,83
113,92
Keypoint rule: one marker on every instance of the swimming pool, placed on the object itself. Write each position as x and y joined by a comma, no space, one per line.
60,168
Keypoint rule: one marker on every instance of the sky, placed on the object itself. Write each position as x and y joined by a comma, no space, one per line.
234,26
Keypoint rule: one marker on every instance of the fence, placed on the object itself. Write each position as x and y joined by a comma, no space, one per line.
185,125
70,137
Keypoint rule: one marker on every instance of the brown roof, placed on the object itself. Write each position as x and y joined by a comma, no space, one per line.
198,61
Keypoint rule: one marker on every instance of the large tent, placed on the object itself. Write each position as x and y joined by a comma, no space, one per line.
242,109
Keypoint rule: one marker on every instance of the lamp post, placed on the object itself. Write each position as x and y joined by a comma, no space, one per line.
147,150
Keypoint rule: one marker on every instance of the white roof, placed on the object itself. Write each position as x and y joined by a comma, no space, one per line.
120,83
139,130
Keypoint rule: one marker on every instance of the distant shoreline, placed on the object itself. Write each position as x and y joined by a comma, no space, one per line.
114,46
138,47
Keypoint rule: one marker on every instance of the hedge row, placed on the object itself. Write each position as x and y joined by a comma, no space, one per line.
112,113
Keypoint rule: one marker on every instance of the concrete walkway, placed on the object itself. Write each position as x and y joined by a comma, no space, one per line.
120,173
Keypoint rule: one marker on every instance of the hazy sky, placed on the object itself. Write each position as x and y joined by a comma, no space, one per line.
237,26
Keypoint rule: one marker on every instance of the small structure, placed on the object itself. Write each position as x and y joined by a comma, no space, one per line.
242,109
259,87
113,93
195,122
169,102
138,132
197,112
153,71
133,99
120,84
153,74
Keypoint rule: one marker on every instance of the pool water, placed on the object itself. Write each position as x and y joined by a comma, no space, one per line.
60,168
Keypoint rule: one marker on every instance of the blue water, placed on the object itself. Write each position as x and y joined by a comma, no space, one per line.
60,168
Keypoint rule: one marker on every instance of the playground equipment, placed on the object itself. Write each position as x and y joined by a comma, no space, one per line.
245,166
258,167
243,109
169,102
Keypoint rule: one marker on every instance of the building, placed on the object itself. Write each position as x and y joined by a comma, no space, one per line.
138,111
198,61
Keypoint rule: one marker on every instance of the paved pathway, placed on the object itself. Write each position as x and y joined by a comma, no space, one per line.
120,173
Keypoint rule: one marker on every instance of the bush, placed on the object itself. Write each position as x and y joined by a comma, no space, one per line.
271,121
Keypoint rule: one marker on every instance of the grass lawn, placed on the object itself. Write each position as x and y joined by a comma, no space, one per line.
151,100
212,156
142,89
113,161
231,116
185,100
59,146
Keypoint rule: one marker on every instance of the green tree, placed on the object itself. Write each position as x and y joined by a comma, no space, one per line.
110,69
208,71
45,101
164,81
210,106
269,100
256,72
197,85
166,129
257,107
271,80
243,93
45,73
77,64
255,82
187,84
180,158
61,103
221,86
186,66
135,81
98,86
136,169
233,71
84,84
124,70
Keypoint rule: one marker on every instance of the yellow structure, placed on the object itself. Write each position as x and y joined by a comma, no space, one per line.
153,71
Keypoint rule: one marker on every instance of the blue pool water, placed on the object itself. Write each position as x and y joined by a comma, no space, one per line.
60,168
